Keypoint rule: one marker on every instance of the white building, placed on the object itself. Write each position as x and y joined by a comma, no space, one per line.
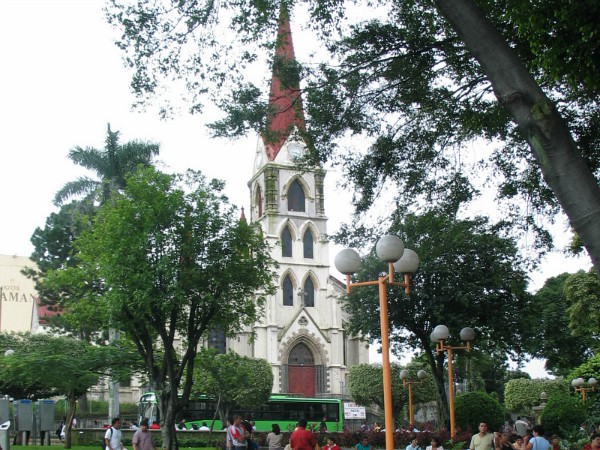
303,333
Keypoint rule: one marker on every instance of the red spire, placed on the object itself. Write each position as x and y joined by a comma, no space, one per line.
242,215
285,105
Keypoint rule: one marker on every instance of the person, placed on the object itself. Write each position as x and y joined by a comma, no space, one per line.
501,442
142,438
521,427
364,444
538,441
275,438
301,438
204,427
435,445
364,428
413,443
482,440
376,428
112,437
331,445
237,434
323,425
594,444
181,425
155,426
519,444
247,425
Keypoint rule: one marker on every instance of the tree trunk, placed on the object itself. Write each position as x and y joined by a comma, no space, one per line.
562,166
436,363
113,384
167,425
72,399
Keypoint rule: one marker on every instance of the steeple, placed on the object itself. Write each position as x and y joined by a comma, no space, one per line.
285,105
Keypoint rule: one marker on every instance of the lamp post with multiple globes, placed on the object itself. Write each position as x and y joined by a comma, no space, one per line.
578,383
390,249
406,382
438,336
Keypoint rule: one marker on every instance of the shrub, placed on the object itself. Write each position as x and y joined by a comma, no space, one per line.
562,415
472,408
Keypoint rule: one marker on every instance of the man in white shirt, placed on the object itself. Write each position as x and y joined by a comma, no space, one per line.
482,440
113,436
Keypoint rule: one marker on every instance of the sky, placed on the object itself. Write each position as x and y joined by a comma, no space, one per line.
62,81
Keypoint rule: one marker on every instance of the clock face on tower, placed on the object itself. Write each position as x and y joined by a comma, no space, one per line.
296,150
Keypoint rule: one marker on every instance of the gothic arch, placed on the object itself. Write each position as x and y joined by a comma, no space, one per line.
303,184
293,229
314,344
258,200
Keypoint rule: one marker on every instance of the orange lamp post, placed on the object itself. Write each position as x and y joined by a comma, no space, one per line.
406,382
438,336
390,249
578,383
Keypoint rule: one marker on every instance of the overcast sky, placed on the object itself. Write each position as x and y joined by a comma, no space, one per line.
62,81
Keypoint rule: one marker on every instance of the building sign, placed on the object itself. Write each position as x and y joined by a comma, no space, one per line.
353,411
17,294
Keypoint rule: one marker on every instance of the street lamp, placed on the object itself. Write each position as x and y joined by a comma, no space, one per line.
438,336
390,249
577,383
405,381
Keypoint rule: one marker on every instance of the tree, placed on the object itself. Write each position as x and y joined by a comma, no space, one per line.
60,366
552,327
233,381
421,83
469,276
172,262
472,408
522,394
365,383
583,295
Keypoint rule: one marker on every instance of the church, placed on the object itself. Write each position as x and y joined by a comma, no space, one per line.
302,334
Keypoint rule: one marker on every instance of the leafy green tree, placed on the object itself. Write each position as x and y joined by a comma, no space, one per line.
563,415
469,276
365,383
472,408
552,327
522,394
422,81
583,295
490,372
233,381
60,366
171,262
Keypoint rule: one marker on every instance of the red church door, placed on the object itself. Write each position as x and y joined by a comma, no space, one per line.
301,371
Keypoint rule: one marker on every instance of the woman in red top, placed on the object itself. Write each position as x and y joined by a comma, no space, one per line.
331,445
595,444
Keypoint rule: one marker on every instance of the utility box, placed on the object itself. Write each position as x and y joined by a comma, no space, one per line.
4,411
45,410
4,435
23,412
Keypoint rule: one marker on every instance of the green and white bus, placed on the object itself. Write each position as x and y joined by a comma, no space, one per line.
284,410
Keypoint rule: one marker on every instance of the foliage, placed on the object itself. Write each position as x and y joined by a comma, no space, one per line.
469,274
412,78
583,294
593,415
365,383
472,408
53,244
234,381
562,414
170,260
491,374
521,395
589,369
551,324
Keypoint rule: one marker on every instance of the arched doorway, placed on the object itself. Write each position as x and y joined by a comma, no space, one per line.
301,371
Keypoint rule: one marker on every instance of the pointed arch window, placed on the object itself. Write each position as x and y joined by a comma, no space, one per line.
308,243
259,201
295,196
286,242
309,292
288,291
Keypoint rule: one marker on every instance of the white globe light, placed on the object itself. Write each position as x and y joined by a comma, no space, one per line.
347,261
389,248
403,374
577,382
9,352
421,374
440,333
409,263
592,382
467,334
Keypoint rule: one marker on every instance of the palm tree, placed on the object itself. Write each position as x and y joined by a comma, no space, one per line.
112,166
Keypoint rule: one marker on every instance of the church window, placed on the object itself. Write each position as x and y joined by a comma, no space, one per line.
217,340
309,292
296,197
307,240
259,202
286,242
288,292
